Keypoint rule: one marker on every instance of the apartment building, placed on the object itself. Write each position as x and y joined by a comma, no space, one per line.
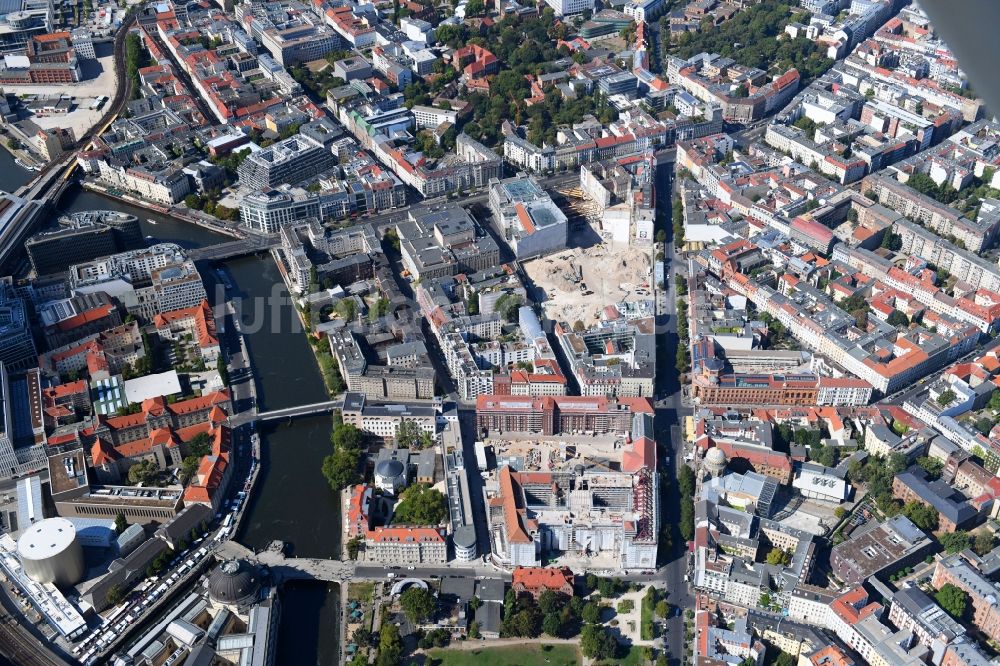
48,59
982,592
267,211
974,235
878,549
406,545
196,324
429,117
379,381
442,241
954,510
163,182
613,358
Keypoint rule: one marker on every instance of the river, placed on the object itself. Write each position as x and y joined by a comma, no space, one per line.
291,500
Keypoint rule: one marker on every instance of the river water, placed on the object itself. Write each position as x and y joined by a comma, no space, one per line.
291,500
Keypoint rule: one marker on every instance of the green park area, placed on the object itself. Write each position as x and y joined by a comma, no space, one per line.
520,655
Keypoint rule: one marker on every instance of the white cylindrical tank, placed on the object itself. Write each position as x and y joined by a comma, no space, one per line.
51,553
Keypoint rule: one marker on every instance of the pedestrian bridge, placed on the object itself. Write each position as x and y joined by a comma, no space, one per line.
301,410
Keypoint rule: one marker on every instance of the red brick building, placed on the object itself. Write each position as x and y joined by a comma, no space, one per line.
535,580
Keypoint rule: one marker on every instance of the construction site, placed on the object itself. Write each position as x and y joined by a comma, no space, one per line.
579,282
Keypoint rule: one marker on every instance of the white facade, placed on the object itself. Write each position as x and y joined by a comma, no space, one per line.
567,7
429,117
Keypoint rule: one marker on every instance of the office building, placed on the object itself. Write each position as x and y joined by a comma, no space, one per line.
268,210
83,237
532,224
17,345
147,282
292,160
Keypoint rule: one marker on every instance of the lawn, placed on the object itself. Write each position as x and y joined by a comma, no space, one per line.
634,657
361,591
528,655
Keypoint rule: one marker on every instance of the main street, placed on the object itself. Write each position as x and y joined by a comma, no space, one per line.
669,410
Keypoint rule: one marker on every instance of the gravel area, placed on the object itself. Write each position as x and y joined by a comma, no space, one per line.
611,275
99,80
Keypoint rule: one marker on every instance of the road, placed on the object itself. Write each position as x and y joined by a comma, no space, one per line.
669,410
379,572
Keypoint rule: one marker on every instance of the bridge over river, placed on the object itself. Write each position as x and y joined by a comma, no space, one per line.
290,568
236,248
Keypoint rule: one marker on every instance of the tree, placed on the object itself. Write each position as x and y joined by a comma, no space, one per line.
946,397
142,472
472,304
591,613
346,308
474,629
409,435
362,636
223,371
551,602
507,306
932,466
953,600
922,515
115,595
687,521
475,603
779,557
984,543
341,467
200,445
824,455
783,659
390,646
955,542
662,608
891,241
188,467
522,616
897,319
417,603
475,8
807,125
353,546
597,643
193,201
685,481
420,505
552,625
610,587
121,523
